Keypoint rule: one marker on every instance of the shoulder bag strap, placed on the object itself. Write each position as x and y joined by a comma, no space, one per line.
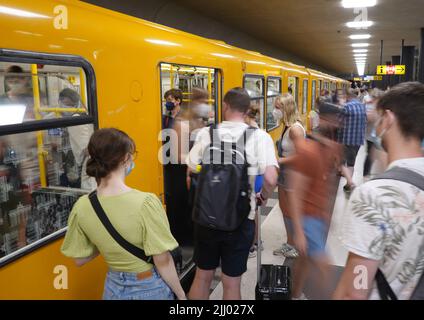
136,251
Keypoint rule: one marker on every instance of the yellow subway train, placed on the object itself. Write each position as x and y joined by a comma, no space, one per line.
120,66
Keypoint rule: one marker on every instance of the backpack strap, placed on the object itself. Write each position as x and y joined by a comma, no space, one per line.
417,180
244,138
213,141
384,289
404,175
136,251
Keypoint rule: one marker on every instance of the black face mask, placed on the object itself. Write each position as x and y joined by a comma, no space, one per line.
169,106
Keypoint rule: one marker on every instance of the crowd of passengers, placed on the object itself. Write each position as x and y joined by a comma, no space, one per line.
382,228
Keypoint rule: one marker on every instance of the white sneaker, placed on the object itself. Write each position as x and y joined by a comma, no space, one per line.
302,297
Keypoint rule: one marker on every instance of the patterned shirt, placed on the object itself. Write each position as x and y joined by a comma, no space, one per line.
385,222
354,122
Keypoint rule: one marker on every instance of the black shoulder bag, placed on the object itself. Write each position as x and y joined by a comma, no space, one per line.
136,251
417,180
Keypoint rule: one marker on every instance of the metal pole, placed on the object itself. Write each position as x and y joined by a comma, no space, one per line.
401,51
37,106
381,52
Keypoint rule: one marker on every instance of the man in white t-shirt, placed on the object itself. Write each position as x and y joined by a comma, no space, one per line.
230,250
384,224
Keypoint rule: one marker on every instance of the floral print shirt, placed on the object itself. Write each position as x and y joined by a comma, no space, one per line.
385,222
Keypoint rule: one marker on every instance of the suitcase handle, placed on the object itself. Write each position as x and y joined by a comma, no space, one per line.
258,249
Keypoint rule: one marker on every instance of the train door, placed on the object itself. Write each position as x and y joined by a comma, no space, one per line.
293,88
314,94
305,97
199,108
273,89
255,86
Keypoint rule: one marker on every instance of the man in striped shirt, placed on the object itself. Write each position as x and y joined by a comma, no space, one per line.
352,134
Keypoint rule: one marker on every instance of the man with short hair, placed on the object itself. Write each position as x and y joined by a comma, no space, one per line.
384,224
231,249
352,135
174,99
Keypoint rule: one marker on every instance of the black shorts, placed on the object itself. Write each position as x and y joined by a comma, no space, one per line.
350,153
230,248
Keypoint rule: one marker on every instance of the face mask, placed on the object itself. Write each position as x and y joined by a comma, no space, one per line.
378,139
202,110
16,86
67,114
370,106
278,114
170,105
129,169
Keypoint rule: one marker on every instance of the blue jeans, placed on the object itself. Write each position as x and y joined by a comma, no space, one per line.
315,230
126,286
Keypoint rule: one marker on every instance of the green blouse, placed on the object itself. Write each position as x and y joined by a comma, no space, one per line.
138,216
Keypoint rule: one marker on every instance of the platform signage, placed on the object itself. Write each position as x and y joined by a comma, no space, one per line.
391,70
373,78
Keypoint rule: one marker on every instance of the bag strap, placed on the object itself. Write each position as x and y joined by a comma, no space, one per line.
418,293
244,138
384,289
417,180
404,175
136,251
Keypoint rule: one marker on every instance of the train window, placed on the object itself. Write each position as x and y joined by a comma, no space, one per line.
305,96
293,88
314,93
273,90
255,87
32,92
47,115
189,79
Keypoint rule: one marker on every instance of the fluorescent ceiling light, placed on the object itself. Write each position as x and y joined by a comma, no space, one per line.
360,55
163,42
359,24
358,3
221,55
360,50
20,13
360,36
360,45
255,62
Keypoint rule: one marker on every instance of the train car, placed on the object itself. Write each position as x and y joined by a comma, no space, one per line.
120,67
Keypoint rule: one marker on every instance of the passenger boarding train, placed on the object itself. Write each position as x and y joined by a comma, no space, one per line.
120,66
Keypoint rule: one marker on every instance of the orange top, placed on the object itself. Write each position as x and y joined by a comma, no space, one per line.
317,161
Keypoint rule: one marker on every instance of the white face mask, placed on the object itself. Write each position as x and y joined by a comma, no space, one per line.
278,114
16,86
202,110
378,139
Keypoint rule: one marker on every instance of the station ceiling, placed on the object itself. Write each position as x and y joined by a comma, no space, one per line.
316,29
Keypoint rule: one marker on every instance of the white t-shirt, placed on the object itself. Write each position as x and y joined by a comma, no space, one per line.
385,222
260,150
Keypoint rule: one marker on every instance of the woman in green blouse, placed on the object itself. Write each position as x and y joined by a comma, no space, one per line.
138,216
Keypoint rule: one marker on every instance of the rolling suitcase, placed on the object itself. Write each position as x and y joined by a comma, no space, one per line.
273,281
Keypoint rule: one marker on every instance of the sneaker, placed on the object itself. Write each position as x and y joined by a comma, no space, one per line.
262,245
349,188
292,253
281,251
302,297
252,251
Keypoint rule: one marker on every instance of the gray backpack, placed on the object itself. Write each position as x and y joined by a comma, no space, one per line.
417,180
